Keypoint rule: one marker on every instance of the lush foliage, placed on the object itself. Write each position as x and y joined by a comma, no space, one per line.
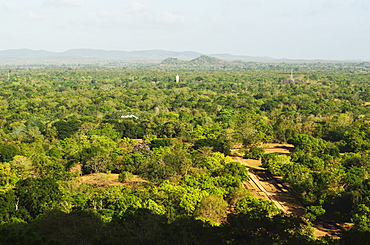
59,124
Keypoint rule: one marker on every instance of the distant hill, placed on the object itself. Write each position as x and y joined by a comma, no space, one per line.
204,60
201,61
100,54
173,62
24,53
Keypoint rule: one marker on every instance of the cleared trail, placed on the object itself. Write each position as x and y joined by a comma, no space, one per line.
262,184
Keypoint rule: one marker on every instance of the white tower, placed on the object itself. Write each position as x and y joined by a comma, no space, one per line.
177,78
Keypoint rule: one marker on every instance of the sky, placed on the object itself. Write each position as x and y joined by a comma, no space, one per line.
294,29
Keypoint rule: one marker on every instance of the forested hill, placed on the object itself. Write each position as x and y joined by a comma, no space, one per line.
202,61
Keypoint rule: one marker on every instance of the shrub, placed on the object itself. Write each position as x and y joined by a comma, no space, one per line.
125,176
254,152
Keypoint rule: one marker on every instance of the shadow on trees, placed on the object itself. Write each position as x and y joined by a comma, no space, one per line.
144,227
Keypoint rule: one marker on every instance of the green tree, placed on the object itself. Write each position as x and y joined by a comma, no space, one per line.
275,162
125,176
254,152
313,212
37,195
8,151
308,143
67,127
213,208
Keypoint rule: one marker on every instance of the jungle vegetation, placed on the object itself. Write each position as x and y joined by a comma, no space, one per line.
59,123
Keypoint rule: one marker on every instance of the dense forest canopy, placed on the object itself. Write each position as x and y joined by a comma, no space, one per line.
59,123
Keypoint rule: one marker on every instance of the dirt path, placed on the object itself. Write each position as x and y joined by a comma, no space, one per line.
266,186
269,195
263,185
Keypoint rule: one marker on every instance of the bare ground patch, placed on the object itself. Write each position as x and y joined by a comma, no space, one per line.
107,180
278,148
330,228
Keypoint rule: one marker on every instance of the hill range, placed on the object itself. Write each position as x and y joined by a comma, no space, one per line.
99,54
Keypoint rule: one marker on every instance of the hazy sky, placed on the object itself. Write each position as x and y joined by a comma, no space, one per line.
297,29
